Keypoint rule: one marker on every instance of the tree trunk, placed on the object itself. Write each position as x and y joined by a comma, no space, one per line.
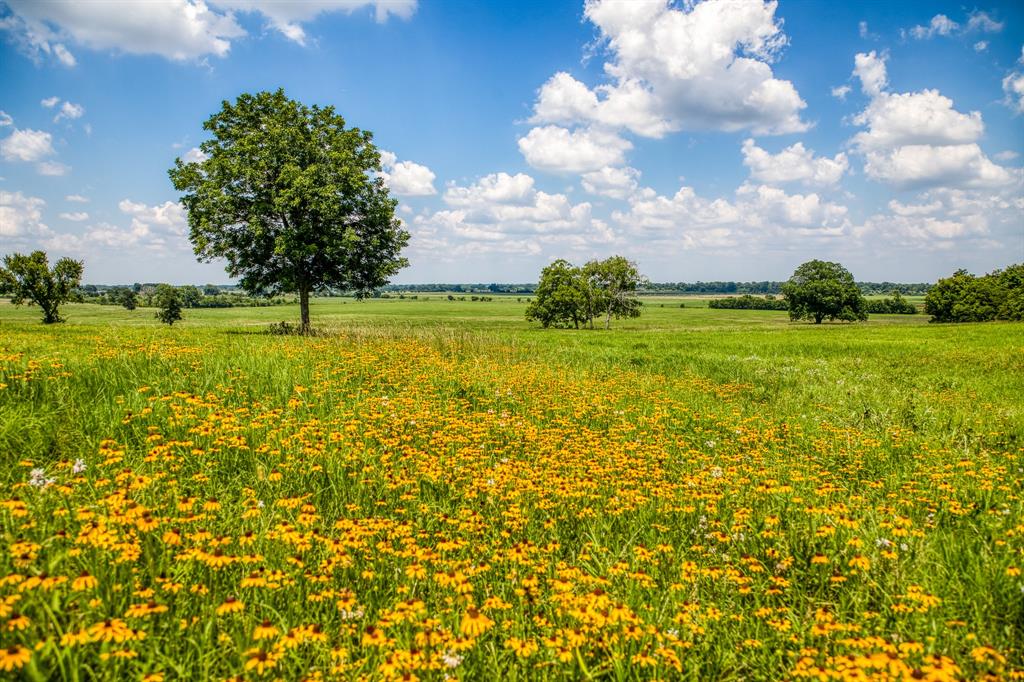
304,309
817,318
608,320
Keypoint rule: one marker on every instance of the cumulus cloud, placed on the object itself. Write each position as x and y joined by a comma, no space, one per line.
503,213
1013,89
194,155
697,67
559,150
947,219
869,67
5,119
175,29
69,111
154,229
925,117
53,168
757,217
27,145
841,91
75,217
406,178
614,183
918,139
288,17
793,164
924,165
981,21
76,198
939,25
21,216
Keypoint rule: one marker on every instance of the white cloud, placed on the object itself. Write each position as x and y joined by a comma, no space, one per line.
55,168
168,217
700,67
556,149
925,165
793,164
939,25
1013,87
153,229
194,155
925,117
869,67
77,198
288,17
406,178
917,139
841,91
503,213
759,217
50,102
69,111
981,21
1006,155
981,46
26,145
5,119
176,29
614,183
947,219
76,216
63,55
496,188
21,216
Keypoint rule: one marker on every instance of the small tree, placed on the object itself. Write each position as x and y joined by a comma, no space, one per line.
129,299
29,278
292,199
820,289
562,297
168,304
614,282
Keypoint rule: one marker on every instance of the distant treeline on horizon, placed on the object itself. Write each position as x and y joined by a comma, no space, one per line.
651,288
668,288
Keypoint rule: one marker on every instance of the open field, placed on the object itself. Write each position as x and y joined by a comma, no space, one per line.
434,488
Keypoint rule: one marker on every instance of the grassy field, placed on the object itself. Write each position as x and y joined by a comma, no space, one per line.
433,489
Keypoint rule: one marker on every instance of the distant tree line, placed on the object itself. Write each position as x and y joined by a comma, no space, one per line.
748,302
189,296
962,297
667,288
894,305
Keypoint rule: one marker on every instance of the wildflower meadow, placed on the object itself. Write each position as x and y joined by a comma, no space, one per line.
431,490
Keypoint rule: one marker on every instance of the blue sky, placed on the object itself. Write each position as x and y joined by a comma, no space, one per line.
725,139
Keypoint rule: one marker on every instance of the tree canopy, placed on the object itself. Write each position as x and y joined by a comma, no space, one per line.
291,199
568,295
822,289
962,297
29,278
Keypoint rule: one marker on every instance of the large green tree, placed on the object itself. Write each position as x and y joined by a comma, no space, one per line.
570,296
562,298
30,278
292,199
614,282
821,289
